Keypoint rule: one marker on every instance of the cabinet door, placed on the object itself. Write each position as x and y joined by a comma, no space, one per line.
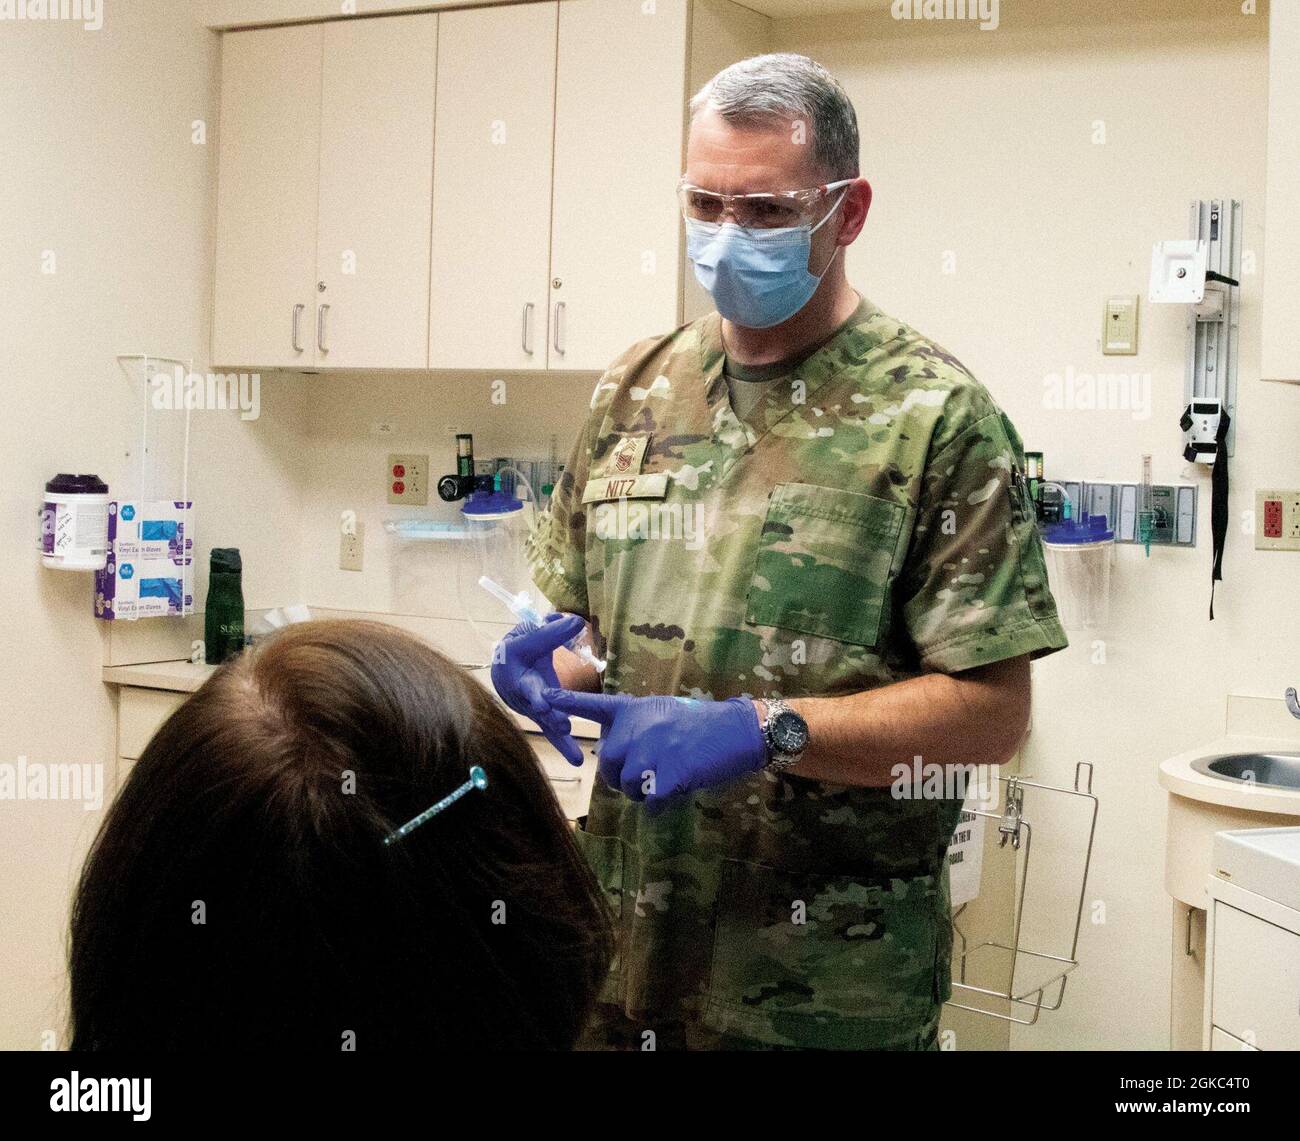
376,172
1221,1041
619,113
492,188
266,197
1280,355
1255,988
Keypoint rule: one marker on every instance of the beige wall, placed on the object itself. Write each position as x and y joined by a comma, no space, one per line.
517,416
977,143
99,167
981,143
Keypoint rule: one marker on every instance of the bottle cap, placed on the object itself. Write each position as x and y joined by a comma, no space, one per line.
226,560
63,484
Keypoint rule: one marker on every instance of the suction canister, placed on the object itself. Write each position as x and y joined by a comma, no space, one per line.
1080,552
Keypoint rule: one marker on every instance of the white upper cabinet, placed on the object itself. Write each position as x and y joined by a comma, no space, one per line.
481,188
265,285
616,230
492,188
1281,349
325,177
376,172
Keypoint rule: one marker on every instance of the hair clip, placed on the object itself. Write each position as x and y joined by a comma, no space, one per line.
477,779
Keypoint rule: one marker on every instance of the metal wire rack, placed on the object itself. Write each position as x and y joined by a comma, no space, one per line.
1036,979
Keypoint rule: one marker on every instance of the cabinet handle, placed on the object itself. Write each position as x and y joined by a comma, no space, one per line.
320,328
528,327
558,342
297,318
1190,950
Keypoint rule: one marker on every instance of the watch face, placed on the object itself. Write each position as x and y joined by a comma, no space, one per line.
789,732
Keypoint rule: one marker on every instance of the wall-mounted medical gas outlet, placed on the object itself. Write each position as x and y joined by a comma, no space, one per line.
1277,520
1173,509
408,480
1119,334
352,543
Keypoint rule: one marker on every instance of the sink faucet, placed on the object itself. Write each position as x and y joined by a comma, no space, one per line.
1293,703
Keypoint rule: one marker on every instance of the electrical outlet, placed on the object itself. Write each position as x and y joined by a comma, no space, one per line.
1277,520
408,480
1272,518
352,542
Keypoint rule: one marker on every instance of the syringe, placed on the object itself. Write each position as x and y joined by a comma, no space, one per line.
521,606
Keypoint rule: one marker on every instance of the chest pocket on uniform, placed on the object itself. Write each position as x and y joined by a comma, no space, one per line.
825,561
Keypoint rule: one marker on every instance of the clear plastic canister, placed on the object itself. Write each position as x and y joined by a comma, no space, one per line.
1079,558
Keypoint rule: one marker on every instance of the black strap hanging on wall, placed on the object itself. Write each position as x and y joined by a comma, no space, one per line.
1219,502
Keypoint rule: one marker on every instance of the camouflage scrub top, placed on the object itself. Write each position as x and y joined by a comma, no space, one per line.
866,523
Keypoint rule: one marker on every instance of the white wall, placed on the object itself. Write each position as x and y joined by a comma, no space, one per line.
981,143
518,416
99,168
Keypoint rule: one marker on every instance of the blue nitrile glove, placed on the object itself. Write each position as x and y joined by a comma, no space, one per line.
685,744
522,670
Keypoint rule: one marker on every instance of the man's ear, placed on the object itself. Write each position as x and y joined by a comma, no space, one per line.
855,207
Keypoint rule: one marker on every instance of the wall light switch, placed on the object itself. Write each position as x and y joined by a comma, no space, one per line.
408,480
352,542
1120,336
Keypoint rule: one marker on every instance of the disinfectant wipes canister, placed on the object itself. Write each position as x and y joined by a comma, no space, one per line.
74,523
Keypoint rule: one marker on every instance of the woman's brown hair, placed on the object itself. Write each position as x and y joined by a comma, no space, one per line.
240,893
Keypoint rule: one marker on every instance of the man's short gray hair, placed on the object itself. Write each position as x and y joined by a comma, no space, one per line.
780,88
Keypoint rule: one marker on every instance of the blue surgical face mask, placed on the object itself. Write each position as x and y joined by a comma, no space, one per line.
757,278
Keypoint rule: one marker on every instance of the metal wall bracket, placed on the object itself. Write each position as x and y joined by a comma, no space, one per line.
1213,327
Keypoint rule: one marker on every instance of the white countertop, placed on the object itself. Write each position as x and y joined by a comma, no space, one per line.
186,677
179,677
1178,776
572,785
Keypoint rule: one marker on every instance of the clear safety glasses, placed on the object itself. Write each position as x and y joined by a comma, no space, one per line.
775,210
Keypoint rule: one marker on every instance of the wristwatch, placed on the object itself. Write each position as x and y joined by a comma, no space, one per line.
785,733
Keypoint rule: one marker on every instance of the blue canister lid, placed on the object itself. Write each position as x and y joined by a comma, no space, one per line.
1088,529
491,503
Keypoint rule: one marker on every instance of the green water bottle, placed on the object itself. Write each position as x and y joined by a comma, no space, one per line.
223,619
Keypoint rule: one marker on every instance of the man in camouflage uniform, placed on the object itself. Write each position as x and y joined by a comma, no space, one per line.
829,511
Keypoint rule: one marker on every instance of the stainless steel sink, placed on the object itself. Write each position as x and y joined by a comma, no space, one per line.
1267,770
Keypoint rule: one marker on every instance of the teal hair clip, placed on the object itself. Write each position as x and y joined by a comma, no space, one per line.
477,779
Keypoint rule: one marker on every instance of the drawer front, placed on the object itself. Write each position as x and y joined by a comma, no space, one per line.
1222,1040
1256,986
572,786
140,714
